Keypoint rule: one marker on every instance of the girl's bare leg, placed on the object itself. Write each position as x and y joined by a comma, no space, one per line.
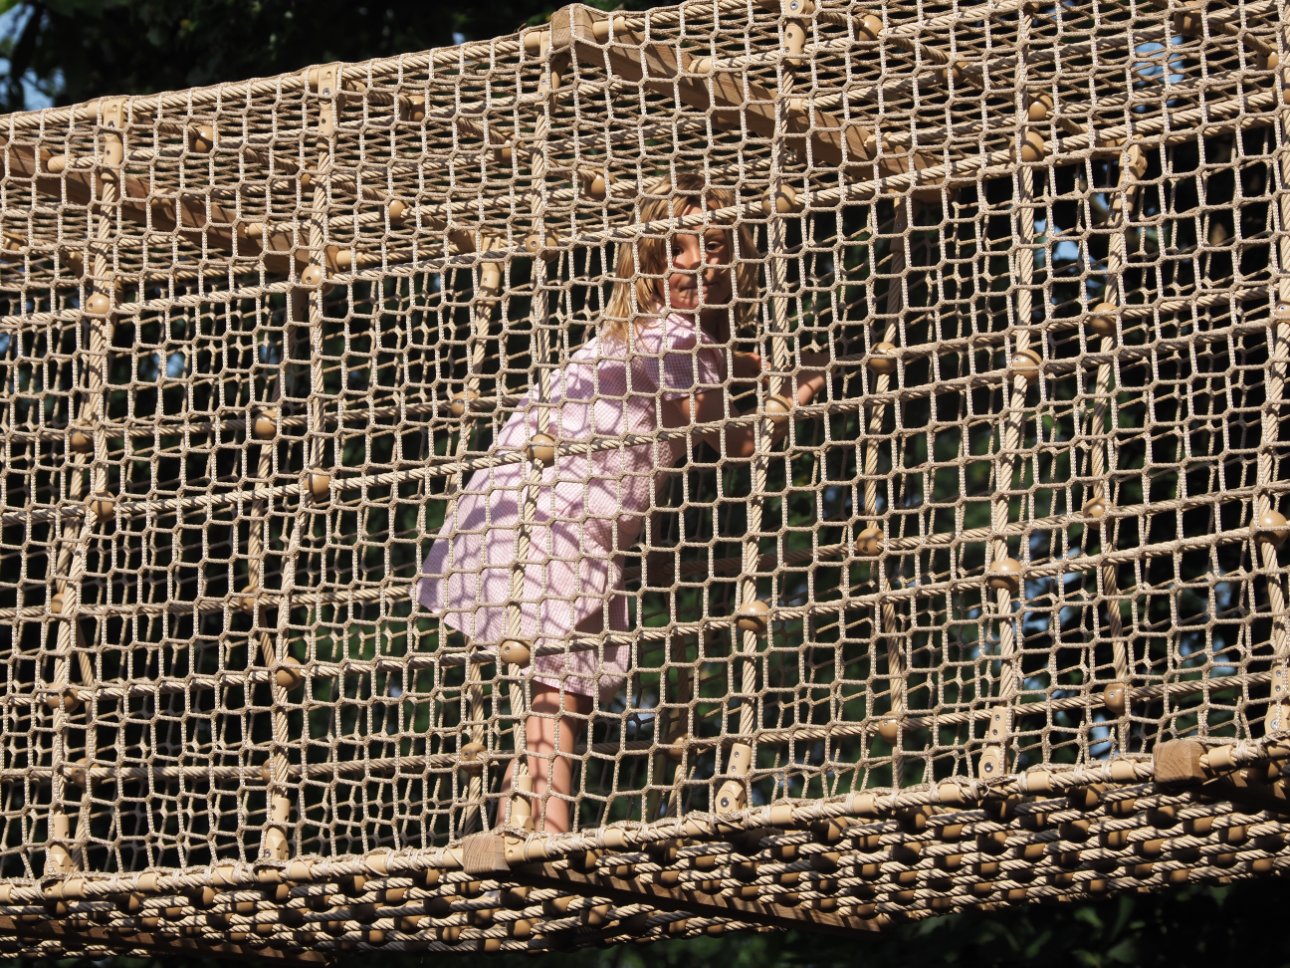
554,725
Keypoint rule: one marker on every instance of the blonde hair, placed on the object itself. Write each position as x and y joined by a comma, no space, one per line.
644,262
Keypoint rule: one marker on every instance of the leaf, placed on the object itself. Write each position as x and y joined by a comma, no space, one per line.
1036,947
1089,916
1123,913
1125,953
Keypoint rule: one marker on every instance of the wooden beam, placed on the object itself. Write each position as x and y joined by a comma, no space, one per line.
732,101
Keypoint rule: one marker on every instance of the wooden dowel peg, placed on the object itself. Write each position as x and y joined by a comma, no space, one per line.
515,897
98,304
102,508
545,247
201,139
869,542
412,107
248,599
1101,321
677,749
1086,797
1026,364
753,617
541,449
1271,528
264,425
78,774
882,358
318,485
1115,698
889,730
1190,20
1033,147
780,411
1004,574
595,184
66,700
1039,108
783,200
514,652
1094,508
868,26
461,403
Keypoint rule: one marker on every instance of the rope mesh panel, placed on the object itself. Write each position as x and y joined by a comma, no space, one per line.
969,628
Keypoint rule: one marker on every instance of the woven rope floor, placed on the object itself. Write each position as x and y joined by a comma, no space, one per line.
998,617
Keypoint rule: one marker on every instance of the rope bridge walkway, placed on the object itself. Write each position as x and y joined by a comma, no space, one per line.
998,616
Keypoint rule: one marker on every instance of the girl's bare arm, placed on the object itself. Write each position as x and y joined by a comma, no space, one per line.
710,405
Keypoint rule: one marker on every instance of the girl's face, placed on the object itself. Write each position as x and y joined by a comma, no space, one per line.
701,272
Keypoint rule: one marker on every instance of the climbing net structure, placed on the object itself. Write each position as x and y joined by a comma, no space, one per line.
999,616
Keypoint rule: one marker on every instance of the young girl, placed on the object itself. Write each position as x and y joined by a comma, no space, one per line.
660,360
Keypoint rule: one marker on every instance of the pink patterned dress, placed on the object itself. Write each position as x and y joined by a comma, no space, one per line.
590,507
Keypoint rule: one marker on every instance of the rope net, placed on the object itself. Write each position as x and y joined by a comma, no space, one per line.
994,613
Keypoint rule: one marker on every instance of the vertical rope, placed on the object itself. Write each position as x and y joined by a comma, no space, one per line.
309,303
1133,165
1004,574
539,244
92,409
870,540
486,298
782,385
